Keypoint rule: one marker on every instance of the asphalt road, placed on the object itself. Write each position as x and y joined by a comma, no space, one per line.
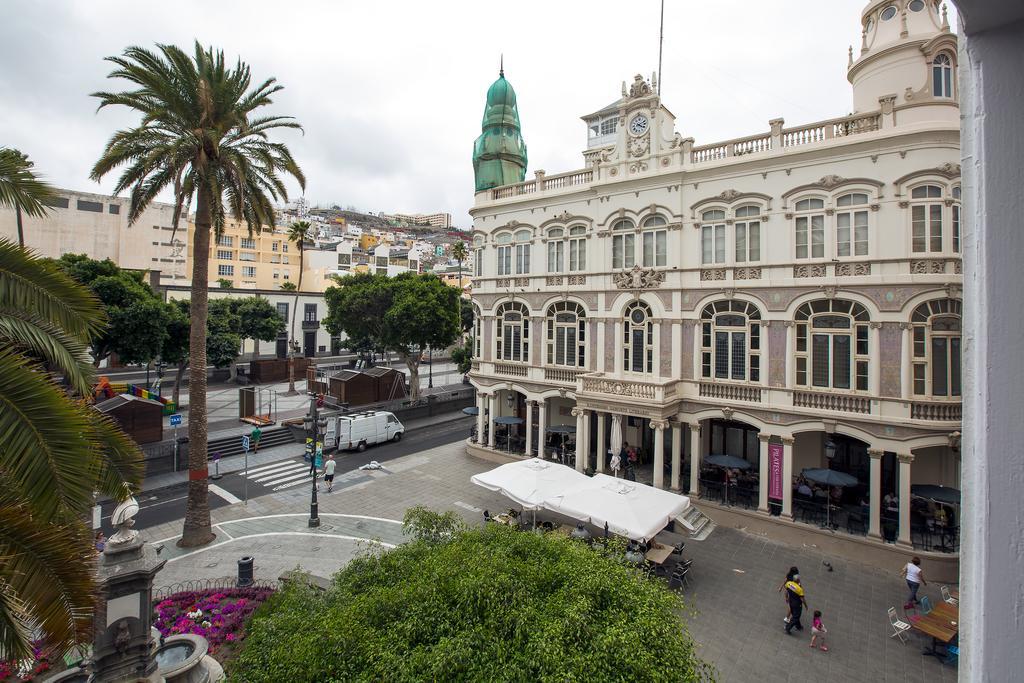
168,503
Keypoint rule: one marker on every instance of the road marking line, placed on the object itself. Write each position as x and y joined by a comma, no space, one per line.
280,473
226,495
286,476
286,533
467,506
294,483
270,466
280,467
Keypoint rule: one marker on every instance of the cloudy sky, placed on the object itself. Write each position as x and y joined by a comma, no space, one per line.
391,93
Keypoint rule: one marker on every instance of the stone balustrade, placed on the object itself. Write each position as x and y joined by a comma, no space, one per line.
938,411
511,369
730,392
843,403
562,375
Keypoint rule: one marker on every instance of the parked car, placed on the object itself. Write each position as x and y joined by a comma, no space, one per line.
359,430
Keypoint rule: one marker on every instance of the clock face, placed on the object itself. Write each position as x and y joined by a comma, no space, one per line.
638,125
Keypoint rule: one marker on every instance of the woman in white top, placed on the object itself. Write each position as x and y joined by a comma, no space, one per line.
915,577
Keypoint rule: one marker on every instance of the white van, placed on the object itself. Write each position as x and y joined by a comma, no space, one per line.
359,430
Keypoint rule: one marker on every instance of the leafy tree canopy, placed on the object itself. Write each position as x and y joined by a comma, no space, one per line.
466,314
489,604
138,317
223,333
288,286
403,314
258,319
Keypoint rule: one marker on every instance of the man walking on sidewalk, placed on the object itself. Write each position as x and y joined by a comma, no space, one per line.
255,437
329,472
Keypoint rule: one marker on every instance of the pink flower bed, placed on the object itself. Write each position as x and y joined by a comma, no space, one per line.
219,616
22,672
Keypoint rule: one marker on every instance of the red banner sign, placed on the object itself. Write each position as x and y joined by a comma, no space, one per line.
775,471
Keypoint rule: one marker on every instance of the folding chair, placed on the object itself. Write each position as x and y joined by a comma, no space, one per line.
952,655
947,597
899,627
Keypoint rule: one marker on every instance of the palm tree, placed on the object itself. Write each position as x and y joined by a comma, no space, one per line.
460,254
21,188
54,453
297,234
200,136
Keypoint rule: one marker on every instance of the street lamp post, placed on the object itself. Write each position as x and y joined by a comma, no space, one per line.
430,370
314,425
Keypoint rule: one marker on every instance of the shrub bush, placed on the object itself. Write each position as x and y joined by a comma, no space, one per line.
490,604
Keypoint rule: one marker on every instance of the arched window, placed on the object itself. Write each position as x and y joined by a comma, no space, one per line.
566,334
926,218
477,331
852,225
936,327
731,341
942,76
623,244
956,219
522,240
748,234
556,250
503,242
712,237
655,242
832,345
572,244
638,338
810,228
478,256
513,338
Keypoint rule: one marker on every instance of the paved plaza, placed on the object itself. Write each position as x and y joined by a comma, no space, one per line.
737,611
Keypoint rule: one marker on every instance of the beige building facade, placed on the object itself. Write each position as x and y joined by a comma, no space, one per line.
791,298
97,225
261,260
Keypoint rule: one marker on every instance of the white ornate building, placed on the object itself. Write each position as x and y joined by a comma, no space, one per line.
798,288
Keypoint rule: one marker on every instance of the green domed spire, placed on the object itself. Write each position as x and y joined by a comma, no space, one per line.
499,154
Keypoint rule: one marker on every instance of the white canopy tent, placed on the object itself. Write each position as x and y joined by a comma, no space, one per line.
630,509
529,483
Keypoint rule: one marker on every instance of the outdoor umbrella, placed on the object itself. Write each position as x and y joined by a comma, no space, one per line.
830,478
616,441
730,462
471,410
940,494
508,421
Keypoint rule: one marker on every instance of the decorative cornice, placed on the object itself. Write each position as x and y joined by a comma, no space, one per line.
831,182
905,458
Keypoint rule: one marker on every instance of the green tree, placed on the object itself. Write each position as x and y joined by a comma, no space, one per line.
488,604
224,283
175,347
21,188
202,135
297,233
466,315
223,337
403,314
460,254
55,451
288,287
138,318
258,320
462,356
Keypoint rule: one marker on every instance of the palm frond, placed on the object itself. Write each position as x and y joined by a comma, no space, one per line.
42,582
59,350
20,187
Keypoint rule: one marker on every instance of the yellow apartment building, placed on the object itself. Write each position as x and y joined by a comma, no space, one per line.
257,260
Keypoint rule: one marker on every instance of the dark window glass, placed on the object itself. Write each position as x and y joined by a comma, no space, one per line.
722,355
819,362
114,209
57,202
840,361
84,205
940,367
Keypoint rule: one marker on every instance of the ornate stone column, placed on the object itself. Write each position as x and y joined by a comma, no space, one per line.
904,533
907,367
695,460
659,453
602,448
492,404
529,427
677,448
762,487
787,477
875,493
581,448
542,426
481,415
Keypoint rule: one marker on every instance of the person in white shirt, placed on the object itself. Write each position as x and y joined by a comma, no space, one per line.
915,577
329,472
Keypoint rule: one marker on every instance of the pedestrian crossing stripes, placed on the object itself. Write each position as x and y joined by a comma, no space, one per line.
280,475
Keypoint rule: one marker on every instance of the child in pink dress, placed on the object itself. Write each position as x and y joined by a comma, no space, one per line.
818,631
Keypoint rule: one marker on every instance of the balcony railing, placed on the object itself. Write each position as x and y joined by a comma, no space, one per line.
310,324
599,383
730,392
563,375
844,403
939,411
562,180
512,370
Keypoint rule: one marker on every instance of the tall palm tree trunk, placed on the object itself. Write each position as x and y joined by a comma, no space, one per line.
295,312
197,530
21,232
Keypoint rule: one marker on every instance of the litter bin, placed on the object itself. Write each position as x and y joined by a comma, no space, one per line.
245,571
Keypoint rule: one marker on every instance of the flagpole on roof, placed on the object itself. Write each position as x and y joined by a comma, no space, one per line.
661,39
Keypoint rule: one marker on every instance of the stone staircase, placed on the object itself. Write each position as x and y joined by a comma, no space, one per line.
232,445
699,524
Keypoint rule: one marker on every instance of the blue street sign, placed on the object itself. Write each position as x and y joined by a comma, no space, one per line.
176,420
245,444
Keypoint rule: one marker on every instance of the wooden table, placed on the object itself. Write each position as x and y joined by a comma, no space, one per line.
658,553
955,594
941,625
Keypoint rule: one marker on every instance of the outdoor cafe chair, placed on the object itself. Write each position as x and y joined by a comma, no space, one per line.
679,575
918,612
899,627
947,597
